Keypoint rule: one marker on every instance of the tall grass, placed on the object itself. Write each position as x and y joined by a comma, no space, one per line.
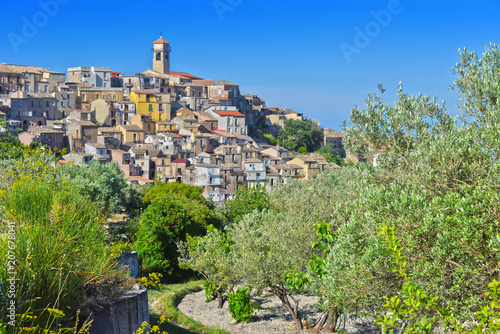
62,260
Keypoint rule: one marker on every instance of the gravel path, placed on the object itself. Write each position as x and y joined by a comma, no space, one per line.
270,319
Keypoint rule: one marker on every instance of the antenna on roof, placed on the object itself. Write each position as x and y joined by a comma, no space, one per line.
161,34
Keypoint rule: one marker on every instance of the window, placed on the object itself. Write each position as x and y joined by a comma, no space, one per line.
158,56
19,103
150,107
68,103
62,104
98,96
148,98
32,103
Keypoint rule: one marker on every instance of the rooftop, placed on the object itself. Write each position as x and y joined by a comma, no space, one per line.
228,113
160,41
10,68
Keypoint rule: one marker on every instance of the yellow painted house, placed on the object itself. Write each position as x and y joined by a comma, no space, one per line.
146,104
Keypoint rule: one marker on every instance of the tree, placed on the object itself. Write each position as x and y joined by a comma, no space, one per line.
433,187
297,133
105,185
210,256
329,152
245,201
174,212
268,246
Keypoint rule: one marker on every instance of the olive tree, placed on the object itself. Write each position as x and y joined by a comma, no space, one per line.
270,246
210,256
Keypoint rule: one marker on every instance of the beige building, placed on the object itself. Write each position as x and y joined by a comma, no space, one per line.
50,137
86,95
106,113
312,164
145,122
131,133
334,138
32,79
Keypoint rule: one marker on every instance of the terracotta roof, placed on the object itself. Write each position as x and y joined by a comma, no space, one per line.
39,130
288,166
155,153
179,161
203,82
120,151
160,41
333,133
96,145
131,127
222,98
141,179
313,157
137,150
184,74
206,165
223,133
228,113
10,68
83,123
99,157
224,82
108,129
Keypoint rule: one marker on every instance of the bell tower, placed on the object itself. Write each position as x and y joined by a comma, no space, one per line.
161,56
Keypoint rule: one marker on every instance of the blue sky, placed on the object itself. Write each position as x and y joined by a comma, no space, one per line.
316,57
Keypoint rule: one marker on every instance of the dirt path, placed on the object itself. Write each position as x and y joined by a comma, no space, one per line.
270,319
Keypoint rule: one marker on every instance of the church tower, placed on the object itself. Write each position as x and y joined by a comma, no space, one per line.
161,56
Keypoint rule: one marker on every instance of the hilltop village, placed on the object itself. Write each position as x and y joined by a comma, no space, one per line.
156,125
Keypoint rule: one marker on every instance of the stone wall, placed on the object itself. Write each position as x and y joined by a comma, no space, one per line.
123,315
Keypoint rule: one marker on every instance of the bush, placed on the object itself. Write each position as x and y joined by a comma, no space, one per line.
174,211
240,305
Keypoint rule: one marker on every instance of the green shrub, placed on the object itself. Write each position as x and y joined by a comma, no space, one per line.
240,305
210,291
173,212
